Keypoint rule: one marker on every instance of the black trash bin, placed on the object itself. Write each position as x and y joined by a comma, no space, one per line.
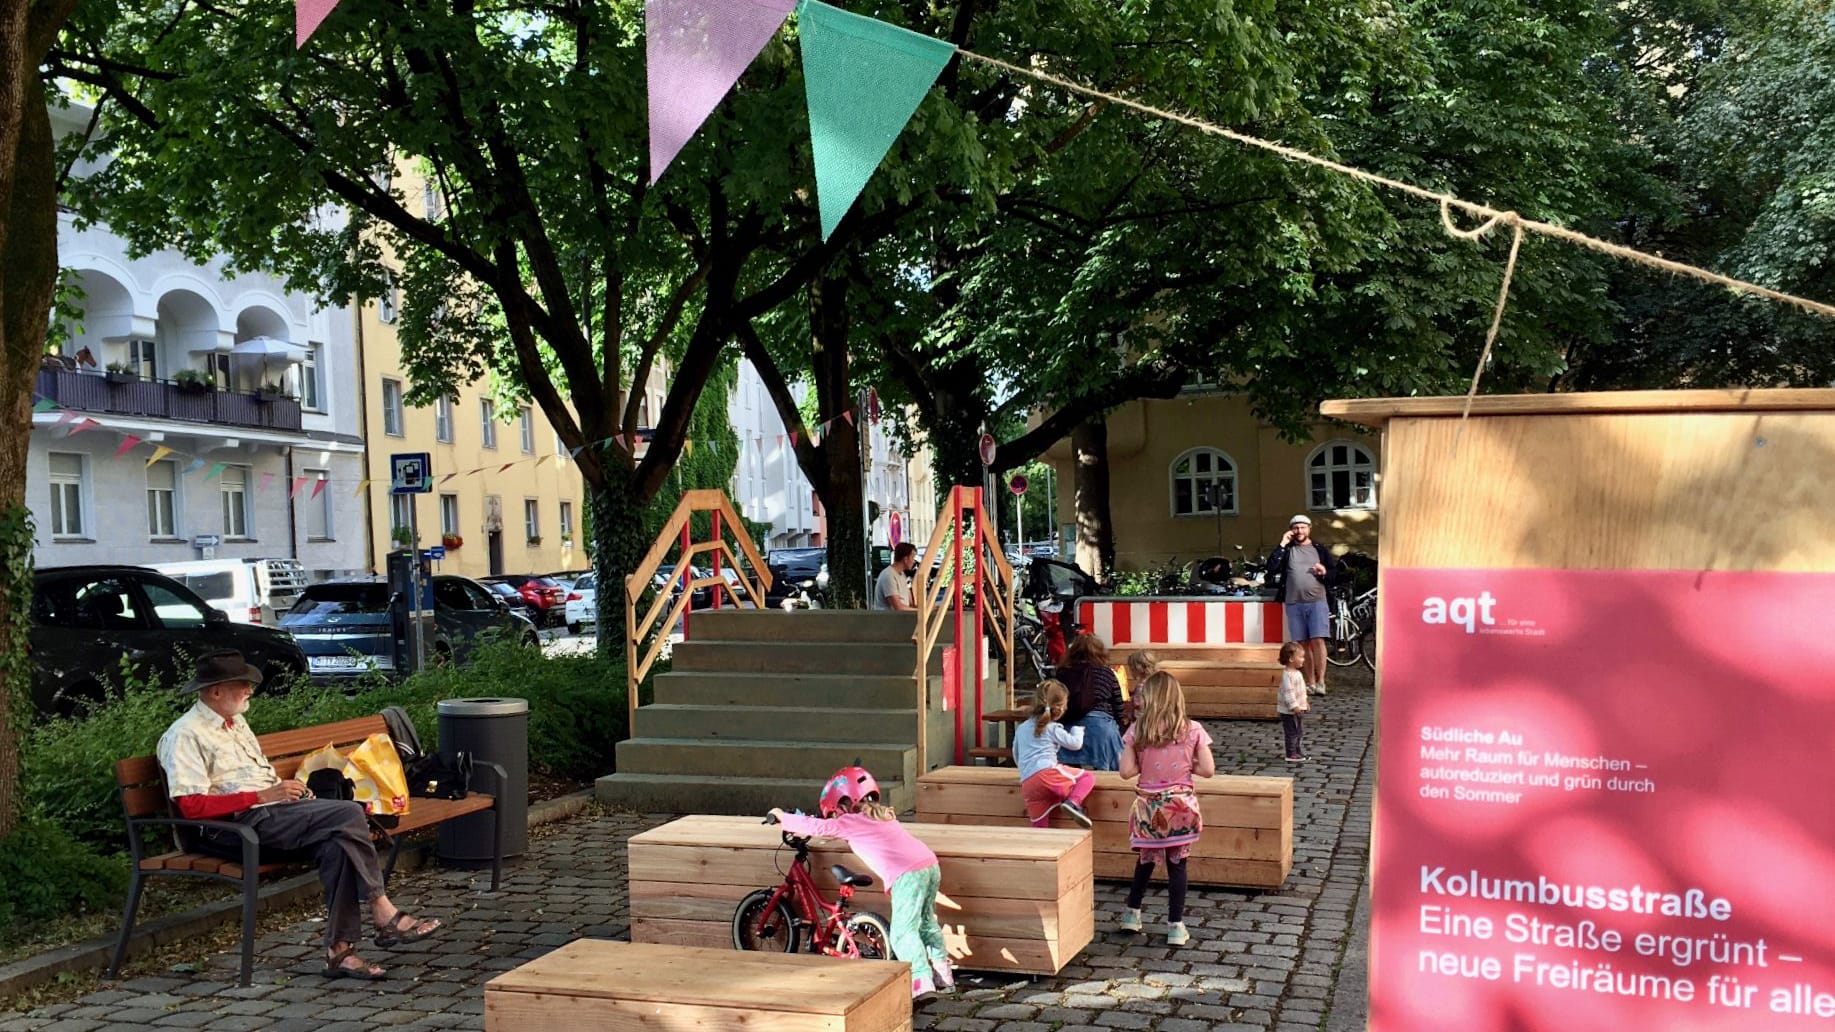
494,730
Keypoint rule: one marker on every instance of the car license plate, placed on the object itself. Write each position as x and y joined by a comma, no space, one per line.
333,662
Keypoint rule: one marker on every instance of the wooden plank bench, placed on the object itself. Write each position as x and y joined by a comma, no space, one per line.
1248,821
142,785
600,984
1020,901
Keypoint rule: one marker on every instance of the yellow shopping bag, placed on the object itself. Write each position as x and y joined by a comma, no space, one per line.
382,784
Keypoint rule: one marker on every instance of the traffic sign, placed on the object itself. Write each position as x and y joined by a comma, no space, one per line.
987,449
436,552
410,473
895,528
1018,484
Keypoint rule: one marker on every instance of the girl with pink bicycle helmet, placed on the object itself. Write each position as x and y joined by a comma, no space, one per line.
852,811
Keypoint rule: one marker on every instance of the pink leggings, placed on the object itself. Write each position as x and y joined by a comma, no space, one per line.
1051,786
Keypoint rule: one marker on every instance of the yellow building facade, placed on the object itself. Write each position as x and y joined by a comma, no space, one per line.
506,498
1198,475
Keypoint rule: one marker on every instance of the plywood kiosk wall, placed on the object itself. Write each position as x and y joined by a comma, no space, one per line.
1604,710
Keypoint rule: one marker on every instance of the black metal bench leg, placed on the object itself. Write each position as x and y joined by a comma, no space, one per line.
127,920
496,845
388,869
251,898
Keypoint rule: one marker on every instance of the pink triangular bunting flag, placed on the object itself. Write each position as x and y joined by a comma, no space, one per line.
849,416
298,482
695,50
266,479
87,424
307,16
128,441
318,486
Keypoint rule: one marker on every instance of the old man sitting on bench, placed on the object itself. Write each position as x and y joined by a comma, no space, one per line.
215,770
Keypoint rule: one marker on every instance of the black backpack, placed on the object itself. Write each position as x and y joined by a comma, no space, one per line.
435,776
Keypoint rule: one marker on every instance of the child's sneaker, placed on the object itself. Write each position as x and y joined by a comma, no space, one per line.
1076,813
1176,935
1130,920
922,986
1296,759
944,974
1316,689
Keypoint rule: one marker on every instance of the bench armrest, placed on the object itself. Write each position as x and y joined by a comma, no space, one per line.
502,776
251,845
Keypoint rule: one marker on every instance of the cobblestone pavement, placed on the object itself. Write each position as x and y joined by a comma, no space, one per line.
1257,960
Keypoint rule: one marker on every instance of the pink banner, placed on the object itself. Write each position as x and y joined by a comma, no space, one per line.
1601,802
318,486
307,16
696,50
128,443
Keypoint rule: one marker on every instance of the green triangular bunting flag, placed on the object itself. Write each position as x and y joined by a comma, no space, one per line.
864,80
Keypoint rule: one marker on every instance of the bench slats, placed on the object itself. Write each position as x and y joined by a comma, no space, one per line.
144,801
138,770
299,741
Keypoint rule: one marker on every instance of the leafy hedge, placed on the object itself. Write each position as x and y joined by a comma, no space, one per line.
73,832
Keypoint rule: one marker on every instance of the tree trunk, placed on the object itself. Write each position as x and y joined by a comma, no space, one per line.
28,278
955,440
845,497
1095,532
618,546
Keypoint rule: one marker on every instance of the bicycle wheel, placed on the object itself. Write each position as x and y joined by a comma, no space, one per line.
757,925
1345,647
1367,646
871,936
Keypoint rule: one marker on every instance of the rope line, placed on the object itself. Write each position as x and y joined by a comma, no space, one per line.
1447,202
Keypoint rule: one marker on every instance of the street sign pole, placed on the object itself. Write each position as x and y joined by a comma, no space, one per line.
416,614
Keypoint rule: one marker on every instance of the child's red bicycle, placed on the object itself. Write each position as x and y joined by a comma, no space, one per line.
795,916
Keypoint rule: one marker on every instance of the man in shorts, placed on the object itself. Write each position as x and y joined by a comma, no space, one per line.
1300,569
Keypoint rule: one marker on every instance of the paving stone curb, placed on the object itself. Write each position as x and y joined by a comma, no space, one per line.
94,954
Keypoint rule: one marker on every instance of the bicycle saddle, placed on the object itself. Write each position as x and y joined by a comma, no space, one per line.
847,877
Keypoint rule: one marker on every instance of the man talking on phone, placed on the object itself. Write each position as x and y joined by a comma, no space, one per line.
1300,569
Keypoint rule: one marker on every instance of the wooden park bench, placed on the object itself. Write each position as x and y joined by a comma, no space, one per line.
1012,900
1248,821
142,785
601,984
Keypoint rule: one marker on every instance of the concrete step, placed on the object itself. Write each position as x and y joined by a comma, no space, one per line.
794,691
813,625
1223,653
799,657
1207,672
764,758
697,793
813,724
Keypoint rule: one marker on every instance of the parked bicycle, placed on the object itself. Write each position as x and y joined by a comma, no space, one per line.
1353,627
794,915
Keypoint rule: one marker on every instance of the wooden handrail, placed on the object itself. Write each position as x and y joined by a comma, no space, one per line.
678,595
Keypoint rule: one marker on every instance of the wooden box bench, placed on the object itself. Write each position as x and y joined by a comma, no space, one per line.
1011,900
1248,821
142,784
596,984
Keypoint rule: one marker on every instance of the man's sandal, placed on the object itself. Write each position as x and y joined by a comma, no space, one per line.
394,932
367,972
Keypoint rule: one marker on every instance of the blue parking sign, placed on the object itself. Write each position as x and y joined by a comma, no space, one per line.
410,473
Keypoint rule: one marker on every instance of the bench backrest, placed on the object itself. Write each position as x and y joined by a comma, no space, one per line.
143,782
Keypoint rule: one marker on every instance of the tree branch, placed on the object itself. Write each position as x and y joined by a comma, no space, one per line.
1137,383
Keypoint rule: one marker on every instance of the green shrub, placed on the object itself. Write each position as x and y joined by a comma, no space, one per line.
49,874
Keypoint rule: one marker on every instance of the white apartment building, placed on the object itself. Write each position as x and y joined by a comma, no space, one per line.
189,412
768,486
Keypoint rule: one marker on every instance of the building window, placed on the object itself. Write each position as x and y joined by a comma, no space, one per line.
235,501
1203,483
566,521
67,495
391,407
528,431
449,514
389,301
1341,475
162,499
309,380
487,417
218,368
143,359
532,520
442,419
401,512
432,204
318,509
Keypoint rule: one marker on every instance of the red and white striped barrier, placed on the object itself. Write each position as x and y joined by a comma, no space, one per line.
1178,621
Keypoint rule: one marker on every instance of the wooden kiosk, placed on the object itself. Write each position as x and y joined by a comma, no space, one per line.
1602,661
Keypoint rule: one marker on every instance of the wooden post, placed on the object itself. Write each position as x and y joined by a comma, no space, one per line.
684,573
720,583
955,590
982,582
630,655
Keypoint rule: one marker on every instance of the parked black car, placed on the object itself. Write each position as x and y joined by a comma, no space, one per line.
86,618
511,597
349,628
792,568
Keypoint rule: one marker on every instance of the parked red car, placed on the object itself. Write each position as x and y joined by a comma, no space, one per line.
547,599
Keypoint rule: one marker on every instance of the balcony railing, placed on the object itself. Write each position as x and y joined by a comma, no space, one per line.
163,399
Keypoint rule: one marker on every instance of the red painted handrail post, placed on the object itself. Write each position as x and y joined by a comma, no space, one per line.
981,567
682,572
955,510
719,583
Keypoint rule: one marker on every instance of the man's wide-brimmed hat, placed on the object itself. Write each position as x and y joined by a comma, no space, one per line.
219,667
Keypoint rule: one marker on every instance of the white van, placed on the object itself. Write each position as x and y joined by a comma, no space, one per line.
251,591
